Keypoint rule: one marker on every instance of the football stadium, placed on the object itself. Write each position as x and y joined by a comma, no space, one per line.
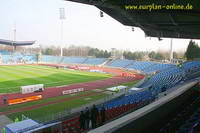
83,89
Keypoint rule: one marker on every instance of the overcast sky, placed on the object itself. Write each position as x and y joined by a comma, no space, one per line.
39,20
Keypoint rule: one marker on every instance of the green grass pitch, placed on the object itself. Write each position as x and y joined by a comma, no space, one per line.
12,77
44,113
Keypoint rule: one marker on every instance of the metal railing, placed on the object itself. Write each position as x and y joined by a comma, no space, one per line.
69,112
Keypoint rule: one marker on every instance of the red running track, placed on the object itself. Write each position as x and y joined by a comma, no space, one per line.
57,91
45,104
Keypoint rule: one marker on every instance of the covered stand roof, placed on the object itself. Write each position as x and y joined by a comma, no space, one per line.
16,43
170,23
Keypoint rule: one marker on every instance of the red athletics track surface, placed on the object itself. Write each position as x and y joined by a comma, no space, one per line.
50,102
57,91
115,71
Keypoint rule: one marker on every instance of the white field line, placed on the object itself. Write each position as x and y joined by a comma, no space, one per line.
53,83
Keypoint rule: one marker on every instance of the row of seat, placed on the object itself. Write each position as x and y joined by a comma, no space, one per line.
183,121
144,66
21,58
120,63
161,81
50,59
189,124
157,67
141,65
5,52
95,61
192,69
18,58
72,60
164,79
72,125
129,99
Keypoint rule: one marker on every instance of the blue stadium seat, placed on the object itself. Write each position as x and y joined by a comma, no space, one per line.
15,58
120,63
129,99
95,61
140,65
51,59
73,60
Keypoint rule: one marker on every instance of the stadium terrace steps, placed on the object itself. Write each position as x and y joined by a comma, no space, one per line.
84,61
165,79
146,67
120,63
173,75
157,67
95,61
73,60
129,118
185,119
61,60
140,65
150,66
119,107
18,58
106,62
129,65
51,59
130,99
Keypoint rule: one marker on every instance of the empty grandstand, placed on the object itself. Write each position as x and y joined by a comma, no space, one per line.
100,91
162,78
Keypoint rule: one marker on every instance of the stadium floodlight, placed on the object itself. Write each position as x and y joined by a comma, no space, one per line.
14,32
14,36
171,50
62,13
62,17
